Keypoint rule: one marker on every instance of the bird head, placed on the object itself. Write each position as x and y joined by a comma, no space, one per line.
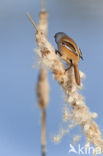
58,36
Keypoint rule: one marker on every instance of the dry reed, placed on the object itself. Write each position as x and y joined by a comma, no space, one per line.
42,84
79,114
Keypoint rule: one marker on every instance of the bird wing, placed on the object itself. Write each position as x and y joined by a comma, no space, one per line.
69,46
80,54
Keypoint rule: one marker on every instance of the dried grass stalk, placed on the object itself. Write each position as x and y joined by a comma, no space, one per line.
43,89
43,85
80,113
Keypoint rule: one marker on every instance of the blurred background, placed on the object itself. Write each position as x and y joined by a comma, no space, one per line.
19,113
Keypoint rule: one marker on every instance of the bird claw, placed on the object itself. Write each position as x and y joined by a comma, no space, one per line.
58,52
68,68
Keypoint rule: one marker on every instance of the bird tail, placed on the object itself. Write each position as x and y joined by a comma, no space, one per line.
76,73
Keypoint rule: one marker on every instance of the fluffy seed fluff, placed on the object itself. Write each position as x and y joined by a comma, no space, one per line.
80,113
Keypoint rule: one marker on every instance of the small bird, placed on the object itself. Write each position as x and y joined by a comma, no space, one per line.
70,52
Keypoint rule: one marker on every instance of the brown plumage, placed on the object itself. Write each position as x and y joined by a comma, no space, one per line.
70,52
76,72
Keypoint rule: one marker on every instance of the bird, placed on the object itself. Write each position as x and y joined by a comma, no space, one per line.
70,52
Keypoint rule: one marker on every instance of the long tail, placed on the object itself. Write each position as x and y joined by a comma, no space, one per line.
77,76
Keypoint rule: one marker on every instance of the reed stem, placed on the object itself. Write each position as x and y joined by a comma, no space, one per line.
43,132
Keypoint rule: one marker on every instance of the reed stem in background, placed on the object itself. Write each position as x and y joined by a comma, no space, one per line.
42,84
43,6
43,133
43,99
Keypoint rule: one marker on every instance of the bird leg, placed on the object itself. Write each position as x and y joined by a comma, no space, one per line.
58,52
71,64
